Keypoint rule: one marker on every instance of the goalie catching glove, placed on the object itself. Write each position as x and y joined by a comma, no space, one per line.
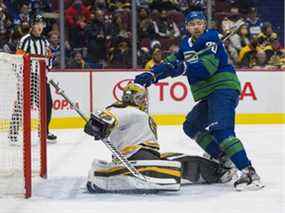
100,125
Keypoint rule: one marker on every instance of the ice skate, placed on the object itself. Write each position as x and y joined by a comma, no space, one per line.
51,138
249,180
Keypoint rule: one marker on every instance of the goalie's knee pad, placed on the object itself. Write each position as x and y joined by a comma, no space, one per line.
161,175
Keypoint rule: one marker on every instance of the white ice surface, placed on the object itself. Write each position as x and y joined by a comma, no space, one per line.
69,161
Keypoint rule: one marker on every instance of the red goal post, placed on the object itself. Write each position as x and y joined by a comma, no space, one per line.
23,130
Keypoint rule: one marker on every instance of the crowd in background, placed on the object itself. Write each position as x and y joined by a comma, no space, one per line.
98,32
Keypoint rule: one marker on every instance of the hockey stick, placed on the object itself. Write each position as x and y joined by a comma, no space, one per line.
107,143
191,55
233,30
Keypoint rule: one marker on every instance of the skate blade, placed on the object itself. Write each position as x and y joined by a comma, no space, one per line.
254,186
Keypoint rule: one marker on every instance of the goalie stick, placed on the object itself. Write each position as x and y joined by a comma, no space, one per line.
107,143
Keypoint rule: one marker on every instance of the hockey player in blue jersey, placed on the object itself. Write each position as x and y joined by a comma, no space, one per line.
216,88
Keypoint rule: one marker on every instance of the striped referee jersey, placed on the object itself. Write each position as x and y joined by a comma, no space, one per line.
34,45
38,46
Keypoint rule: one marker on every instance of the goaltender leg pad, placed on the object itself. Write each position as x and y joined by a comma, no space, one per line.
197,169
161,175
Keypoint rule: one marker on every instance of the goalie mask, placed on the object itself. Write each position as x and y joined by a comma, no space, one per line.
135,94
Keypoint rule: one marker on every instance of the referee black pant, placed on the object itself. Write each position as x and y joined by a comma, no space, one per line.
49,106
17,115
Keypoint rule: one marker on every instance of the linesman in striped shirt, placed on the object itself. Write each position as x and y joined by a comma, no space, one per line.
34,43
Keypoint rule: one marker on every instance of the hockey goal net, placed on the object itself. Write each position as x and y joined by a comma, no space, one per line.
22,123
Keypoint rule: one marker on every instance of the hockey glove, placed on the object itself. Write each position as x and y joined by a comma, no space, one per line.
145,79
99,125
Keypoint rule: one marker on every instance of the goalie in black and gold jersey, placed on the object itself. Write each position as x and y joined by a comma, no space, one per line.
132,131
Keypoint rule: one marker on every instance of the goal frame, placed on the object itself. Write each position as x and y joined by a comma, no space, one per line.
27,120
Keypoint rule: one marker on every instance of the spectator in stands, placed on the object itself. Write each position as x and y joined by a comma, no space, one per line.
100,5
22,28
155,60
155,44
77,61
245,5
24,15
165,28
184,4
267,33
120,55
266,40
36,6
4,21
77,16
254,22
145,25
255,54
55,48
164,5
11,45
74,11
238,41
143,3
96,36
54,28
118,28
229,22
278,57
264,46
260,60
119,5
3,5
5,25
246,57
46,5
143,56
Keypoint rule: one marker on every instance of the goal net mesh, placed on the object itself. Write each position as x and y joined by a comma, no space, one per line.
20,159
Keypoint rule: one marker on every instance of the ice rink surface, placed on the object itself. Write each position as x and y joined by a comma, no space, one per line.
69,161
